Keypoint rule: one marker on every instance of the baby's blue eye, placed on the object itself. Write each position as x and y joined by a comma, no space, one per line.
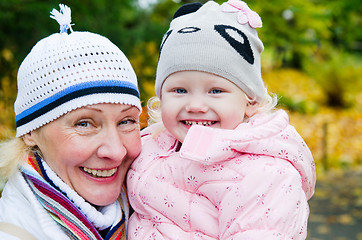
215,91
180,90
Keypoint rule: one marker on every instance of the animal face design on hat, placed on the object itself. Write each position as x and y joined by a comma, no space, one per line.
219,39
241,46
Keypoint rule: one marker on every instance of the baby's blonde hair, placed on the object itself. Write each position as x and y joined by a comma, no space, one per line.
267,105
13,153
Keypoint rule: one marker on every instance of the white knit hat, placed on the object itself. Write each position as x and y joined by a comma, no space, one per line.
219,39
68,71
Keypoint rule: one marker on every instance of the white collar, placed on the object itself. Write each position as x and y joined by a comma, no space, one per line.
101,218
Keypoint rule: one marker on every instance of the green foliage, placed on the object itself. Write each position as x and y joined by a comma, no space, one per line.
340,76
144,60
344,18
286,30
303,106
8,68
297,91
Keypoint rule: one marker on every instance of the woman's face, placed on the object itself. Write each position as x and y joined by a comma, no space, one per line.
91,149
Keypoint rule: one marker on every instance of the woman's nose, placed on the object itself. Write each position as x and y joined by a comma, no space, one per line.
111,145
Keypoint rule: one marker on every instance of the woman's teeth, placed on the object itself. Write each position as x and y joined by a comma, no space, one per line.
100,173
202,123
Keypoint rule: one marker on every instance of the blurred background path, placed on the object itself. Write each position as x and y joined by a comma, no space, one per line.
336,207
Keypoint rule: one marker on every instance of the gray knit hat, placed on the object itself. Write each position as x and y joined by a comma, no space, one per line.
219,39
65,71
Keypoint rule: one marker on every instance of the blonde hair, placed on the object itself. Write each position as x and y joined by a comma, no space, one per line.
154,110
13,152
267,105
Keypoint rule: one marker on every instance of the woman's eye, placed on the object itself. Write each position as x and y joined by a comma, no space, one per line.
180,90
127,122
128,125
82,124
216,91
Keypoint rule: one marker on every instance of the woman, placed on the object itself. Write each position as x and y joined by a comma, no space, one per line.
77,133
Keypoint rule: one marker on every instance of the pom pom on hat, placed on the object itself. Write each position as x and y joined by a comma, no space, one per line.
63,18
65,71
218,39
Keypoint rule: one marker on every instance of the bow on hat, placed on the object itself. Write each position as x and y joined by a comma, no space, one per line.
245,14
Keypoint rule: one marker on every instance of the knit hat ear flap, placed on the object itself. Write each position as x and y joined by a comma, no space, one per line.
186,9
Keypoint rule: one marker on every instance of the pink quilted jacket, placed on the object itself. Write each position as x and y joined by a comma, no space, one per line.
249,183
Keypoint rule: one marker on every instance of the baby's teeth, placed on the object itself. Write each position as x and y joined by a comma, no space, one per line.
198,123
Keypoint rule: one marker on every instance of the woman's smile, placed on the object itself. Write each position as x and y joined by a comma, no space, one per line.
100,173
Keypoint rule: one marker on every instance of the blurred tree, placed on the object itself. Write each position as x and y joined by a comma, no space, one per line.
290,29
23,23
294,32
344,21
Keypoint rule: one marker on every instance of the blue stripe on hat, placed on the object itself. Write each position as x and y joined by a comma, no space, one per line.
72,92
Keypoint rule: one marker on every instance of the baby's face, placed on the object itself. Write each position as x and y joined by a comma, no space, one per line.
194,97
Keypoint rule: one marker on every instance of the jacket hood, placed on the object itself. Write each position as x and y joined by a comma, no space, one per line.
266,134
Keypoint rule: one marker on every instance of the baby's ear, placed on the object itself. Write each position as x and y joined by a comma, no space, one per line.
251,108
29,139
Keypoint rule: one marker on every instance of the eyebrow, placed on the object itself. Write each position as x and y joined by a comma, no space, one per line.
93,108
128,108
100,109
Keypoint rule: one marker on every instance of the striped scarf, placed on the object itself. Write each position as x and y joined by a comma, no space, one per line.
64,212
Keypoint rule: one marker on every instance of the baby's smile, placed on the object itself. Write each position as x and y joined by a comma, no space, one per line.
202,123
